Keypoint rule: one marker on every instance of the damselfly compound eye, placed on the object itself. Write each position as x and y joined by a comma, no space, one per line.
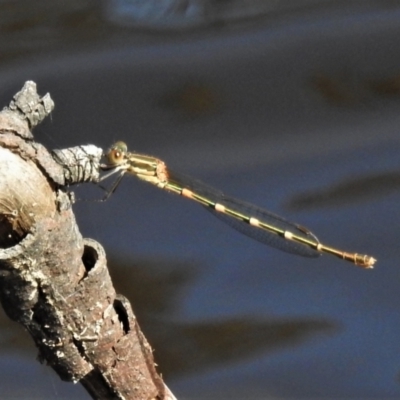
117,152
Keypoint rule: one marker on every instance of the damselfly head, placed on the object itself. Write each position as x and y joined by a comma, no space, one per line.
116,154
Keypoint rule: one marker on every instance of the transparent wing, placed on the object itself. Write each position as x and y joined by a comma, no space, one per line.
262,235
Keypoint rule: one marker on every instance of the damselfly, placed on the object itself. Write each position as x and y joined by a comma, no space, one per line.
248,219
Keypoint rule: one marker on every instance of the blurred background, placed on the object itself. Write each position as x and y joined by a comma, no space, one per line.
290,105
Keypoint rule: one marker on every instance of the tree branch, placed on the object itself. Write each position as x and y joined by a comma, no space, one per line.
54,282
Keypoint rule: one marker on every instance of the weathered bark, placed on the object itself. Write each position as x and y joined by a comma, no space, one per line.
52,280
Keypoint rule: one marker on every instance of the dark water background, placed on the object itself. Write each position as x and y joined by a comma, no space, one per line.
298,113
